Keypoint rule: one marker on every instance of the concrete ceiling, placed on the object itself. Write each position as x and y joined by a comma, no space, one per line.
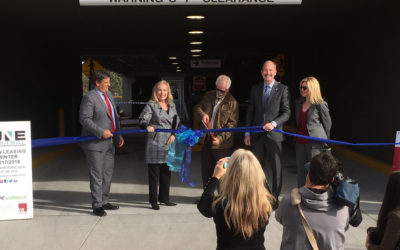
132,38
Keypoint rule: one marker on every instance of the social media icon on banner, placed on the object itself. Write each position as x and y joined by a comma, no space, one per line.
23,207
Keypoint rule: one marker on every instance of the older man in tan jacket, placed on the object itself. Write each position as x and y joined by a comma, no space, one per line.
218,109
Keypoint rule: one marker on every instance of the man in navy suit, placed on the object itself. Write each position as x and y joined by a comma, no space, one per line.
268,107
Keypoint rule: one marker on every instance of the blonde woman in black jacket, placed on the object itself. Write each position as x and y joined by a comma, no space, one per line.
242,208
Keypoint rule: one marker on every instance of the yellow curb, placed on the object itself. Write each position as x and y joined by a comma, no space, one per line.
357,157
38,161
364,160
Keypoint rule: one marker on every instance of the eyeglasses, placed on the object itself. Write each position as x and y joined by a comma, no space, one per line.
303,88
220,90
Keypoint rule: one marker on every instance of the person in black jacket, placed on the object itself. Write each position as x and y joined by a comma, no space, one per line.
242,208
387,233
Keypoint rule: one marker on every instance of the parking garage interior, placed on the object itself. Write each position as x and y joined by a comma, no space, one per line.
352,47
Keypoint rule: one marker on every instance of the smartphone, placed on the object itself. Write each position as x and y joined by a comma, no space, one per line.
226,163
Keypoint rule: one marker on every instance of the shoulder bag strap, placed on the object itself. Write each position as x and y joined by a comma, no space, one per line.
296,200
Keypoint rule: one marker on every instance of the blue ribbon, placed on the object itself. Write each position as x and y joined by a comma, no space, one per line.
328,141
180,153
36,143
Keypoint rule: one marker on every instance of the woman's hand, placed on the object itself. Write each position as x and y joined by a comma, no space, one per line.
150,129
171,139
121,141
367,243
219,169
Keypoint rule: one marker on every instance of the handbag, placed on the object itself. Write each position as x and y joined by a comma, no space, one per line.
296,200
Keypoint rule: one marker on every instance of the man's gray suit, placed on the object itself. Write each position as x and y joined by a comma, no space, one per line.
95,119
267,146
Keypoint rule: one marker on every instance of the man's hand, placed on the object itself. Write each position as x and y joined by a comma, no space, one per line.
268,127
150,129
121,141
215,140
171,139
247,141
219,169
107,134
206,119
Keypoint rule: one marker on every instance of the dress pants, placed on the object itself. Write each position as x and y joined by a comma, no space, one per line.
209,158
304,154
268,152
159,173
101,166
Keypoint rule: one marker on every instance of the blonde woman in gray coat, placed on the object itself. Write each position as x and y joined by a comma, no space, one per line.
312,119
159,113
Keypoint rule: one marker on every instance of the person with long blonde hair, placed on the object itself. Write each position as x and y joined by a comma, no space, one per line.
242,208
159,112
312,119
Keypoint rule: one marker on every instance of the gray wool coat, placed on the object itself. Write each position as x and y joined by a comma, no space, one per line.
156,143
319,121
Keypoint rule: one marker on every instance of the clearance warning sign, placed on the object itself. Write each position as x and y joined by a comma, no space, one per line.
185,2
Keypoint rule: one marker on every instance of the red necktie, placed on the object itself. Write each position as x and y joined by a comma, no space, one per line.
110,112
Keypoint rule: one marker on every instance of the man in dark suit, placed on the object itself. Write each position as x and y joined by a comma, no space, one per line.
99,117
269,108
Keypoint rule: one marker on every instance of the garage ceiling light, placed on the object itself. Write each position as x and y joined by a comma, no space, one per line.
195,17
196,32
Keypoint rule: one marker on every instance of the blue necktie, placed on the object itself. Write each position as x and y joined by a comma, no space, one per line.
266,94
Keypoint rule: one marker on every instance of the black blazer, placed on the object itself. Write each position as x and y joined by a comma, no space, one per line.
277,108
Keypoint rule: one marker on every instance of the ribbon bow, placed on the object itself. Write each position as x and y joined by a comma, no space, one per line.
177,160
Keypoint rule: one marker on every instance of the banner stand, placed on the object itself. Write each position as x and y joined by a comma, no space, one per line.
16,195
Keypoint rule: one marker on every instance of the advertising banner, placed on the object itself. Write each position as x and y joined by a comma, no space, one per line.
16,198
